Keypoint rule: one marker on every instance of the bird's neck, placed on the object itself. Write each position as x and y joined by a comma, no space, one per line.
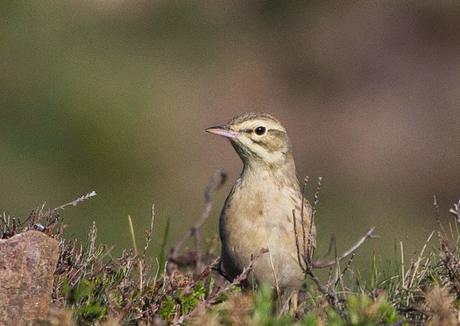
257,169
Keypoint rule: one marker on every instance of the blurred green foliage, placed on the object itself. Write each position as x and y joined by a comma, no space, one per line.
113,97
88,303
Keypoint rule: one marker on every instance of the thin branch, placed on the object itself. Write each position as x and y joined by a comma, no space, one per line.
310,248
332,245
302,219
217,296
316,196
236,281
323,289
323,264
299,259
216,181
438,217
456,211
345,269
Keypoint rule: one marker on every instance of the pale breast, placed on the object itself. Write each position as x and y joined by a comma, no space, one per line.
258,216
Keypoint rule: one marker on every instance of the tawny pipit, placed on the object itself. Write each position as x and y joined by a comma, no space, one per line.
257,215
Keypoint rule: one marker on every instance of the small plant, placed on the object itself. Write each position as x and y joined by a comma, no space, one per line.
364,310
86,299
182,301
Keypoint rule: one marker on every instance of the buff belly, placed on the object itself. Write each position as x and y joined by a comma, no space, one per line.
265,236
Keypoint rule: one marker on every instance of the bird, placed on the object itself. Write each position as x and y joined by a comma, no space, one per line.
256,225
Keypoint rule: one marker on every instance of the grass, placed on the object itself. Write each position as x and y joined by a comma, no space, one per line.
185,287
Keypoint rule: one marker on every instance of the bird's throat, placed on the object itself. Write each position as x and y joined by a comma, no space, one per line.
256,171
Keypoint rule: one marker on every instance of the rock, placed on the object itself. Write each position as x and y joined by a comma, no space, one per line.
27,264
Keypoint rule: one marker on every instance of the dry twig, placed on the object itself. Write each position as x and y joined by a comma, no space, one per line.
305,250
323,264
456,211
217,180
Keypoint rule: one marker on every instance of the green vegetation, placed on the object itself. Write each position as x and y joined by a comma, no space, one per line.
187,288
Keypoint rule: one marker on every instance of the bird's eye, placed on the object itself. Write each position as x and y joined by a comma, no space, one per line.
260,130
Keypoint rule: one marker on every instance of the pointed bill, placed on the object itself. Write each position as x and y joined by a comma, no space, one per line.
222,131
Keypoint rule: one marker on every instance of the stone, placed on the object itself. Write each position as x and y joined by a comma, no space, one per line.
27,264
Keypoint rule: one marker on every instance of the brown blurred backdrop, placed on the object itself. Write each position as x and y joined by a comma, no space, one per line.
113,96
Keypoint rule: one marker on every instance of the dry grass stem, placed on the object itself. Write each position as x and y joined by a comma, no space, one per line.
76,201
139,259
277,287
403,274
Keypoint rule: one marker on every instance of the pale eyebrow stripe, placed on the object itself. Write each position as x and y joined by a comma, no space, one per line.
278,131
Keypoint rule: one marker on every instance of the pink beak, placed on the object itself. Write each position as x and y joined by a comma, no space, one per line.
222,131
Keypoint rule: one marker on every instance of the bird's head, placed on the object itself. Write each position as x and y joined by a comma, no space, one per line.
257,138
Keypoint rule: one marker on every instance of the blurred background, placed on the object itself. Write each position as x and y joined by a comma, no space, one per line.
113,96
